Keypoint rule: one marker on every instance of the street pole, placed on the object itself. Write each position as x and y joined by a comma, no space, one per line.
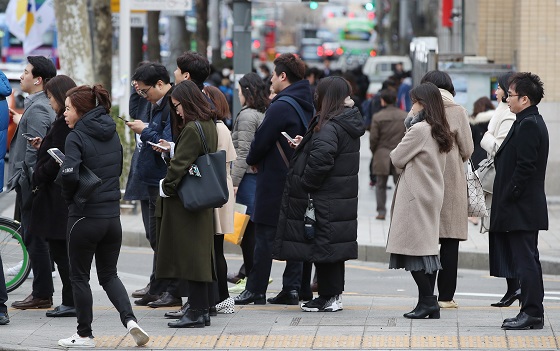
124,60
213,9
242,60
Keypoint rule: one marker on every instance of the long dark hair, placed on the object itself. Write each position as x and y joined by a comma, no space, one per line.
194,103
85,98
57,87
255,92
219,100
503,82
329,98
428,95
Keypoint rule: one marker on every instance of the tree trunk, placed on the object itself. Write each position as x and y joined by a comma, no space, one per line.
136,54
102,42
74,40
154,49
202,26
179,40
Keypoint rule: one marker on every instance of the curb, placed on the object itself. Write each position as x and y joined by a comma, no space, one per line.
371,253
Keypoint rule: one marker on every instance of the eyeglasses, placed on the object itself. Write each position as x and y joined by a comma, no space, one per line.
143,92
511,95
176,106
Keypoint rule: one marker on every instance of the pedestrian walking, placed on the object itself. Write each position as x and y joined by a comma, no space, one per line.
422,154
94,227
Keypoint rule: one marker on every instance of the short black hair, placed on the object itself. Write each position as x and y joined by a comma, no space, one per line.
290,64
503,82
529,85
151,73
389,96
42,67
197,66
441,79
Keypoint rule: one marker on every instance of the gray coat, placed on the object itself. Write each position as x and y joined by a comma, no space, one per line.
36,120
418,198
242,134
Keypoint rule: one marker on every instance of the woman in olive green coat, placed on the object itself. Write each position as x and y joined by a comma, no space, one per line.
185,240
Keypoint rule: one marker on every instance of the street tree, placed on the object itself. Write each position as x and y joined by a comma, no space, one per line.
202,26
102,43
74,43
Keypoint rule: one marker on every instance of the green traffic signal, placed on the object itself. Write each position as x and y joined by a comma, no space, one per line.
369,6
313,5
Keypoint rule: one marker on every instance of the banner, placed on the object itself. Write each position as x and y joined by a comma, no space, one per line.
28,20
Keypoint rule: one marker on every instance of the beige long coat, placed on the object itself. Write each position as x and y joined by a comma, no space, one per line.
224,215
418,198
454,213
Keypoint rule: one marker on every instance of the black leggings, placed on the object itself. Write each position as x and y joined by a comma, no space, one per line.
221,268
59,253
99,237
424,282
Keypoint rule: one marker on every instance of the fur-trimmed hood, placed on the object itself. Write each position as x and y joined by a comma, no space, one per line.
482,117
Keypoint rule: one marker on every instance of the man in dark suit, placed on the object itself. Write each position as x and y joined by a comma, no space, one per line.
269,153
519,207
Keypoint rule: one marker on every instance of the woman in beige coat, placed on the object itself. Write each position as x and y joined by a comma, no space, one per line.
453,226
419,195
223,216
501,264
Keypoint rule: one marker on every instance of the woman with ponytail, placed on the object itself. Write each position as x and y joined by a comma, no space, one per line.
419,194
94,227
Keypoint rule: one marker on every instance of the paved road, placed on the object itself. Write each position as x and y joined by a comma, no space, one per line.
374,301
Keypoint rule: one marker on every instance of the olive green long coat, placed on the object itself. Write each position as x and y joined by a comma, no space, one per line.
185,240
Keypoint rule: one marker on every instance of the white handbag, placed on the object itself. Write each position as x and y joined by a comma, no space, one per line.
475,194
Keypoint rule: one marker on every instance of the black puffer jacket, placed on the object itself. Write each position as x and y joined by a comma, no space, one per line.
95,142
325,165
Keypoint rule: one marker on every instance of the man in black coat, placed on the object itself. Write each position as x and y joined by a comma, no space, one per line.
519,207
270,154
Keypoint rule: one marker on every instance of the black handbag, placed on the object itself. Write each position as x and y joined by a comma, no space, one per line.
205,184
87,183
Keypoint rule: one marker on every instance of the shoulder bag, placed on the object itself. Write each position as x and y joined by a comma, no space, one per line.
475,194
204,186
487,173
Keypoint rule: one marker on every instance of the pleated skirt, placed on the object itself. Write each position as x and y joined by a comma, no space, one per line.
429,264
500,256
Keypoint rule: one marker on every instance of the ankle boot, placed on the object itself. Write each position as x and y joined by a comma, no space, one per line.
191,319
207,317
427,306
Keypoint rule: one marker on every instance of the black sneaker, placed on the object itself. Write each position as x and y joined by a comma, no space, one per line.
4,318
321,304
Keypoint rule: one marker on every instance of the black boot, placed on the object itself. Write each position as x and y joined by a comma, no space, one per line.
191,319
427,306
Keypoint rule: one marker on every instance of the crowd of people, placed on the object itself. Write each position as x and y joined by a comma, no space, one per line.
292,159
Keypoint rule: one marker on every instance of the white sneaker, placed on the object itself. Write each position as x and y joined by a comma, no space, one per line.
227,306
12,271
138,334
77,341
339,301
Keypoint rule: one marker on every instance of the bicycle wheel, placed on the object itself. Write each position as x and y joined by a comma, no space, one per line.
13,253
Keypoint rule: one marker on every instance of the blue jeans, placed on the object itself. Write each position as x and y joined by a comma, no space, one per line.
246,192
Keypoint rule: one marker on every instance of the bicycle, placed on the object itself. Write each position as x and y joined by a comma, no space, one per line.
13,253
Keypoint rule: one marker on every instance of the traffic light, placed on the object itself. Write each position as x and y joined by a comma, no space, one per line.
369,6
313,5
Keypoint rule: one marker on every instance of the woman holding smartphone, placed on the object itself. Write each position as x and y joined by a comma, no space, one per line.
49,211
94,228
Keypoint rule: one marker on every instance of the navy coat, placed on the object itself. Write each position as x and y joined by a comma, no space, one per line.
271,176
519,201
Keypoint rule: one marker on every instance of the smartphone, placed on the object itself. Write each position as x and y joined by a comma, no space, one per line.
287,136
122,119
28,136
158,145
56,154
